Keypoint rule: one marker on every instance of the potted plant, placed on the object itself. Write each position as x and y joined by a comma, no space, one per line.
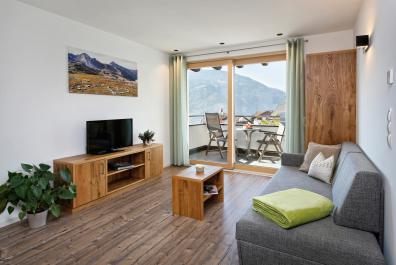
35,191
147,137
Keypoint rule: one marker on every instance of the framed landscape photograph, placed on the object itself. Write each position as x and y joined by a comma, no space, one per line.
93,73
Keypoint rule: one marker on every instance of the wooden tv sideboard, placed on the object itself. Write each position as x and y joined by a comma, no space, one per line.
95,180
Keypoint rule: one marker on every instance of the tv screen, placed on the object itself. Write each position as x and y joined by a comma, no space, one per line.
109,135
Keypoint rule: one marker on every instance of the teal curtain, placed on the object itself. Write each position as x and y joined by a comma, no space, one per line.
179,118
295,96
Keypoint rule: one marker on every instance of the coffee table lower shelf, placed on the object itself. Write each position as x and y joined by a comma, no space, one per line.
208,196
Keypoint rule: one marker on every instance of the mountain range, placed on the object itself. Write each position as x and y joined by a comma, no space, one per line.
208,93
83,63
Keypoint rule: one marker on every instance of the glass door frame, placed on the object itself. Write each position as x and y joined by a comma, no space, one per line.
230,110
231,62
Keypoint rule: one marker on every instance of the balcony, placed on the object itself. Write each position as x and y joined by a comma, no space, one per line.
246,140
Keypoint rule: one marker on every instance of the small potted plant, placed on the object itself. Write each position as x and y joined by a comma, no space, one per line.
147,137
35,191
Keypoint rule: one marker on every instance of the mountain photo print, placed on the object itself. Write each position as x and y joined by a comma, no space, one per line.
92,73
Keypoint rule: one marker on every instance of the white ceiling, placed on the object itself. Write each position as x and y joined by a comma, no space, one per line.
196,25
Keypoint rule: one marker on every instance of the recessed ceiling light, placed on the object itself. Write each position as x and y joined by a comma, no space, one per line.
221,43
279,34
175,50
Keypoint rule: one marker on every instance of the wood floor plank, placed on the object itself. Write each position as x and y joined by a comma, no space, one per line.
137,227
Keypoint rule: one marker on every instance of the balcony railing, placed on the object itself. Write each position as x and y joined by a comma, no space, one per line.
240,120
199,134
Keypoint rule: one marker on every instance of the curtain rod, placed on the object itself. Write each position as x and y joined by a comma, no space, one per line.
240,49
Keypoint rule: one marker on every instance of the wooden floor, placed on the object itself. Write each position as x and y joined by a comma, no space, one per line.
137,227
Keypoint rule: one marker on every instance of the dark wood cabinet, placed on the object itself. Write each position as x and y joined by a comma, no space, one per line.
330,97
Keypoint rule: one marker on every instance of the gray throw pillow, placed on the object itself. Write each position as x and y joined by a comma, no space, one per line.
314,149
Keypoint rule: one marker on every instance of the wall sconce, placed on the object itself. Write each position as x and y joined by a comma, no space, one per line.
363,41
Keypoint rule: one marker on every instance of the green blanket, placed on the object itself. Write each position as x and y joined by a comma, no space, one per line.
293,207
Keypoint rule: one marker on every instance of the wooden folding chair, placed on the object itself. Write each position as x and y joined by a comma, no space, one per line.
216,133
271,139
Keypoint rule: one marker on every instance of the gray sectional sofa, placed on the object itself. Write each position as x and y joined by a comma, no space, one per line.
353,234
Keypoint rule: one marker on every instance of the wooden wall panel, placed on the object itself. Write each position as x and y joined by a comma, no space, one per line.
330,94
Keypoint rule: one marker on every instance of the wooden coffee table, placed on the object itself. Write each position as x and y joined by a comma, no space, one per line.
188,190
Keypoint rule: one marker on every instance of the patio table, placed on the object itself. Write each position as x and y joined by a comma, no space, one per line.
248,133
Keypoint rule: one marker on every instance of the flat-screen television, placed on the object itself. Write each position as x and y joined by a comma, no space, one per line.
109,135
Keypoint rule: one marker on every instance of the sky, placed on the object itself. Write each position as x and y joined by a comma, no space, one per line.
272,75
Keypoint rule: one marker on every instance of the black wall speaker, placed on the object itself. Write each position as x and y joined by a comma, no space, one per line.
362,41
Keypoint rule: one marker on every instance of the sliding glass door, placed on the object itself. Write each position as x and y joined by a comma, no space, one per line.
260,105
208,89
237,112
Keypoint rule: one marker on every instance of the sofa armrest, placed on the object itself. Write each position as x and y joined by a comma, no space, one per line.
292,160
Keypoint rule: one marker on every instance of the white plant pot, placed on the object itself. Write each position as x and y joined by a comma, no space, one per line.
37,220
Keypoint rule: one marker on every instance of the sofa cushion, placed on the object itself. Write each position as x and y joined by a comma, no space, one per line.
321,241
346,148
291,177
292,160
250,254
357,194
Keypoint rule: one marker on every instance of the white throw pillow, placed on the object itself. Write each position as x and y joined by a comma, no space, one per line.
322,168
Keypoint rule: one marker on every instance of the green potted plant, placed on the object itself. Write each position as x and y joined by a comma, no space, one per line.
147,137
35,191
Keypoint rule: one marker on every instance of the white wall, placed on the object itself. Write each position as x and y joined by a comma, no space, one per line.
332,41
374,98
40,120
